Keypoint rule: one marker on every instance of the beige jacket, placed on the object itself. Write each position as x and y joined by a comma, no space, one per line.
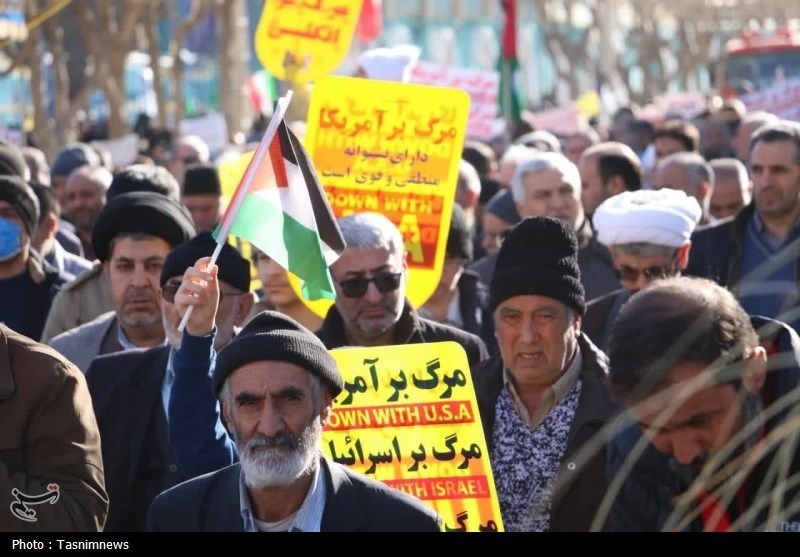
78,302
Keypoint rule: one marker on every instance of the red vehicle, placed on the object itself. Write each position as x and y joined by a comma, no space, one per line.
753,61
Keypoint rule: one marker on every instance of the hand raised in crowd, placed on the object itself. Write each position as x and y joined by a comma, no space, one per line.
200,290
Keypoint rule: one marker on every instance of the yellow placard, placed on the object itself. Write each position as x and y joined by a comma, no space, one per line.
589,104
392,148
316,34
408,417
230,174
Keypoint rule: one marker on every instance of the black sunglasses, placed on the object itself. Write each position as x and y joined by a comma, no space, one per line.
629,274
385,282
169,290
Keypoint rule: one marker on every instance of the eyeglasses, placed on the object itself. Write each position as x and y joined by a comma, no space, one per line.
385,282
169,290
629,274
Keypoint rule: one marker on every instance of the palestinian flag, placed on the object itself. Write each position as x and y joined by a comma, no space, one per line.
510,105
280,207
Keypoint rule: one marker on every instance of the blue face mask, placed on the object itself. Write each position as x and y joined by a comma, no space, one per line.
10,243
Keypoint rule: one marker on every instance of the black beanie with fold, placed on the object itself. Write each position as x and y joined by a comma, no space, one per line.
271,335
539,256
16,192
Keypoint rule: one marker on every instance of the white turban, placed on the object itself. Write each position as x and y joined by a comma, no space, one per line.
389,64
664,217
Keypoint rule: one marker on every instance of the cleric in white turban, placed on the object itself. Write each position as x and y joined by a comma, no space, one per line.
648,233
389,63
664,217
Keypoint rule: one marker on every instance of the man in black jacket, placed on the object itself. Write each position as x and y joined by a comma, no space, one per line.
461,299
144,453
371,308
710,443
543,398
756,254
28,283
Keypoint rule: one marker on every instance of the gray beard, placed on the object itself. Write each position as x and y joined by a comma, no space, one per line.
281,460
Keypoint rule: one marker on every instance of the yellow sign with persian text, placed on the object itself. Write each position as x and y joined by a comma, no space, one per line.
392,148
314,34
408,417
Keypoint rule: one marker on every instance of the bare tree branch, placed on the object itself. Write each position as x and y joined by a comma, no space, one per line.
154,50
197,10
133,16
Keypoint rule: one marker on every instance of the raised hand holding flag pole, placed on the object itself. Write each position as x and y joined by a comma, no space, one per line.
280,207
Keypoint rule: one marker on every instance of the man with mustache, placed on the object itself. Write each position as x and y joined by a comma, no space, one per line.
710,443
131,391
647,233
549,185
276,383
542,397
89,295
132,236
371,308
755,254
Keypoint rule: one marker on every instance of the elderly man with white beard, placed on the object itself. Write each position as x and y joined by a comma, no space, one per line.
276,383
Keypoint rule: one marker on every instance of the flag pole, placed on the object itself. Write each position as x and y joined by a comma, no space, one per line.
247,180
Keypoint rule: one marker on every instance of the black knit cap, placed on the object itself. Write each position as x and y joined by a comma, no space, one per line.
16,192
539,257
12,163
201,179
141,212
233,268
271,335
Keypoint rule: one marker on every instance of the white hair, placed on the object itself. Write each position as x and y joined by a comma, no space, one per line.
100,176
371,230
539,162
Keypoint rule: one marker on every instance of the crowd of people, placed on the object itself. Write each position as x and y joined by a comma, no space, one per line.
627,298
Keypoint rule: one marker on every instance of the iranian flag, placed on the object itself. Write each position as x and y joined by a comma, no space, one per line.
262,90
280,207
510,105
